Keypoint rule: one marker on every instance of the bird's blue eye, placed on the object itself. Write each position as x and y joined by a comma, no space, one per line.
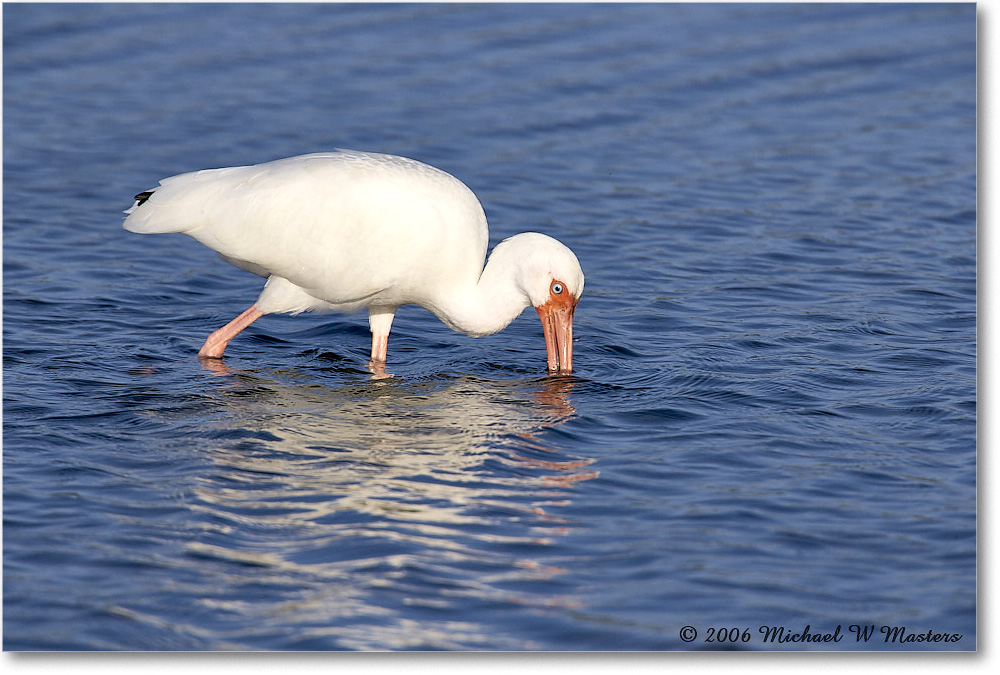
557,288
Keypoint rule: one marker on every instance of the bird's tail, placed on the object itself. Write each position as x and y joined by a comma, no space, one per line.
177,204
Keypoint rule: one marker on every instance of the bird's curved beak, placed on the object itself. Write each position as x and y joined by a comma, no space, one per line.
557,324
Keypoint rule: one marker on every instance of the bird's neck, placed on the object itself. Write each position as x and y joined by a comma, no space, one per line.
490,305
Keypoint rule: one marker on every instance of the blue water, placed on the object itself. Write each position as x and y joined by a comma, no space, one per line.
772,421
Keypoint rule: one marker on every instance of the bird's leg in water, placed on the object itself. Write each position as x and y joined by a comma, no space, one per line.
380,322
217,341
376,365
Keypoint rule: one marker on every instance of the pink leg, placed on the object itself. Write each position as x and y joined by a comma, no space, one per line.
380,323
380,347
217,341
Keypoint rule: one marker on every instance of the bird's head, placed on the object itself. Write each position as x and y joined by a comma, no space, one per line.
551,277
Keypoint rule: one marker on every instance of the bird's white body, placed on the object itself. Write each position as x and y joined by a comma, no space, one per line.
345,231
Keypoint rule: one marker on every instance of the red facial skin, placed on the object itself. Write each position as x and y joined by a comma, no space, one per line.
557,324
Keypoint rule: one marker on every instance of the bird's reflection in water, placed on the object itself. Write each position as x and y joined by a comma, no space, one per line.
390,498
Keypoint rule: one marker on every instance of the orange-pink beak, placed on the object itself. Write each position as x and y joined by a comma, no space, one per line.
557,324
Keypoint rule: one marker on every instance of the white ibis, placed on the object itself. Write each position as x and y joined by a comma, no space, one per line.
345,231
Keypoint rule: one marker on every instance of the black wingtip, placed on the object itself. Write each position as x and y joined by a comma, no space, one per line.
141,198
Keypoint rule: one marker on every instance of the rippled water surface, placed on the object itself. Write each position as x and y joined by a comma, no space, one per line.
772,420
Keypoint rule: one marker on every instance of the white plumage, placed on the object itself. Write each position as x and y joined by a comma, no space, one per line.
348,230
